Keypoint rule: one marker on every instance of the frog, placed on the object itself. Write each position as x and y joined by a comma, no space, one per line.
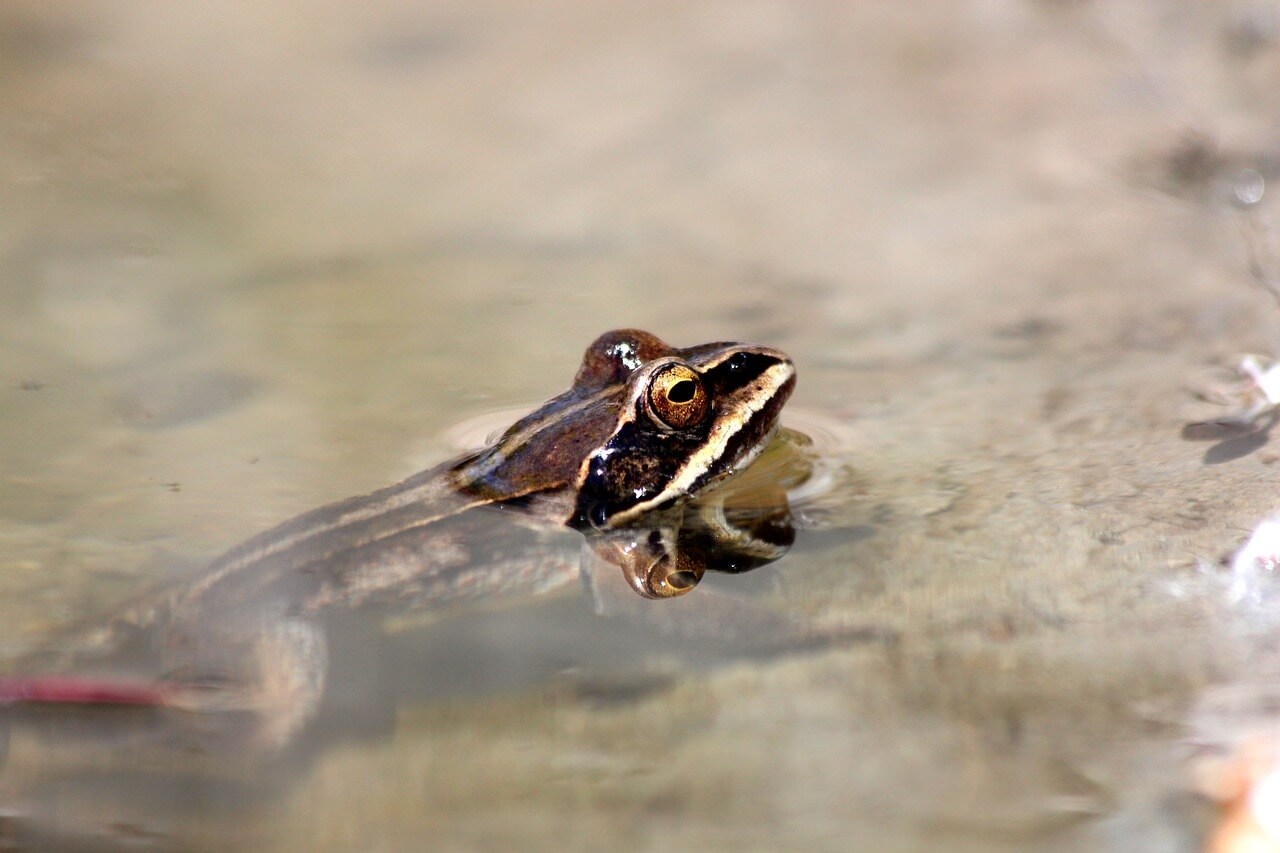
632,458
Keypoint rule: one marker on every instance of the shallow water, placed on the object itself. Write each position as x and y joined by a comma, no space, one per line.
255,260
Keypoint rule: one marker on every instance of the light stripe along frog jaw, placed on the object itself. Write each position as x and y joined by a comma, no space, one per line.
688,422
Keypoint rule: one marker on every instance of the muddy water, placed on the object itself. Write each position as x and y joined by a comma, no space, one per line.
257,259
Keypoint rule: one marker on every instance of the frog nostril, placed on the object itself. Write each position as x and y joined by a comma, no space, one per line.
598,515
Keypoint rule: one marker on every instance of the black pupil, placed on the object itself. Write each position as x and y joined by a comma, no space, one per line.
681,392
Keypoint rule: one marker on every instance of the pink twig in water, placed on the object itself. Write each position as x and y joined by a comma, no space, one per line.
57,690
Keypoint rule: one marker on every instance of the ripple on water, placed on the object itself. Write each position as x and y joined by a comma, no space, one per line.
484,428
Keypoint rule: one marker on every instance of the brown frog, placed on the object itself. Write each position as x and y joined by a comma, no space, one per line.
628,456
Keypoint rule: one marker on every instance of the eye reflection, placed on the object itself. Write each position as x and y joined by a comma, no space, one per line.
667,554
682,581
664,582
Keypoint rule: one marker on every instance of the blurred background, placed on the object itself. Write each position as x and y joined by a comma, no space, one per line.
256,257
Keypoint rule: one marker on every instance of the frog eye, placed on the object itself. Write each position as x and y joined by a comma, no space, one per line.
677,398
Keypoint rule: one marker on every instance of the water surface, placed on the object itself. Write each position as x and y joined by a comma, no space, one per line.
255,260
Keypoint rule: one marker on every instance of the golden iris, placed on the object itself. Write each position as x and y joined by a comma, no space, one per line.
677,397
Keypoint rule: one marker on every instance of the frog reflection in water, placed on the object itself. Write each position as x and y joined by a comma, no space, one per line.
628,456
